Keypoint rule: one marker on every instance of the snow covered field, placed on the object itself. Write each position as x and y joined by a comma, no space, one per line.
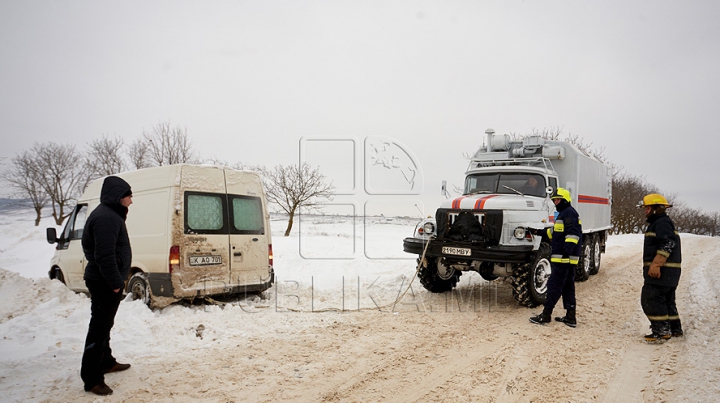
329,330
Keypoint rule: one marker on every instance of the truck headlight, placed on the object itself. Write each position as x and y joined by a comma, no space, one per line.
519,233
428,228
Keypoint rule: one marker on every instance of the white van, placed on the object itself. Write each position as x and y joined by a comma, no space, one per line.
195,231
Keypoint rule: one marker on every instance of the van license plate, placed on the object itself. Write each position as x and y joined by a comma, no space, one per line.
447,250
205,260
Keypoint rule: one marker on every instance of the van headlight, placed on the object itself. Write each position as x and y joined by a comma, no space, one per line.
519,233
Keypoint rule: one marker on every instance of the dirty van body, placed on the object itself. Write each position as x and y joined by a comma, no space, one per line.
195,232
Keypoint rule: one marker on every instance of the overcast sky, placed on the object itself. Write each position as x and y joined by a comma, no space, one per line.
249,80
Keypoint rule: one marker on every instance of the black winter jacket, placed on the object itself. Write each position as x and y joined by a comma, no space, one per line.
105,238
661,238
566,235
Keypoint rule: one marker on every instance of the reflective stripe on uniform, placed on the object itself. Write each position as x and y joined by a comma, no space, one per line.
561,259
667,264
654,234
659,318
572,239
559,226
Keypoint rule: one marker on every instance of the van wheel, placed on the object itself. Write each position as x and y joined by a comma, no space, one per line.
596,254
139,289
59,276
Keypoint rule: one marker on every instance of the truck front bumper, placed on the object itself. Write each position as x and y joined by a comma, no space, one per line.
496,254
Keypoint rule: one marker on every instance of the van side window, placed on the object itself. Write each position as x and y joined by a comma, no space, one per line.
204,212
73,226
247,215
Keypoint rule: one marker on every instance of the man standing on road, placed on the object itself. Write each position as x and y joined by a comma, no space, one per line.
106,246
566,238
661,271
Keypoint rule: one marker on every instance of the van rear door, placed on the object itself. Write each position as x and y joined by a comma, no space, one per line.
247,227
204,253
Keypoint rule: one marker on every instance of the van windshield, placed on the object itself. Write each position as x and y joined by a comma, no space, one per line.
526,183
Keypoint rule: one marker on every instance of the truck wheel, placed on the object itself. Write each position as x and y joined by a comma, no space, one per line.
436,277
139,289
530,280
595,264
582,270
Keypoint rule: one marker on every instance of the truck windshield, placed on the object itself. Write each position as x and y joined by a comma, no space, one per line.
529,184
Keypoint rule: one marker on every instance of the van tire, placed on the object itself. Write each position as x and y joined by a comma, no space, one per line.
59,276
139,289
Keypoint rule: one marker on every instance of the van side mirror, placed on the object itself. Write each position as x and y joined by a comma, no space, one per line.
51,235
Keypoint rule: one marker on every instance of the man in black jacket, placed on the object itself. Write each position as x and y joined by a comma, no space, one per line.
661,271
566,238
106,246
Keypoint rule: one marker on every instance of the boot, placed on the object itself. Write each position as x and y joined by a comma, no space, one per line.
676,328
659,333
568,319
543,318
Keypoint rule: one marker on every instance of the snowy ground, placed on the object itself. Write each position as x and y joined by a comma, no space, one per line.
330,331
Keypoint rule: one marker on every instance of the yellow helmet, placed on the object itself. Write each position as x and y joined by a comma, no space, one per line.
561,193
654,199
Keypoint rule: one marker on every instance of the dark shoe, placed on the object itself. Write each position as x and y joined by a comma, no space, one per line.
541,319
101,389
677,333
566,320
117,368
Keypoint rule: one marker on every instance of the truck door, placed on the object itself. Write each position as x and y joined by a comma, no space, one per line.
71,259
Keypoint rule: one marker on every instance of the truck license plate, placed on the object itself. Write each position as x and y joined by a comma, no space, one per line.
205,260
448,250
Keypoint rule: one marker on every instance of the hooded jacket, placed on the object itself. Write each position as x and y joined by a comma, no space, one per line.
105,238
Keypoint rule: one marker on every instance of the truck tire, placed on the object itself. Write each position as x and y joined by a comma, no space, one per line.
436,277
530,280
139,288
596,256
582,270
59,275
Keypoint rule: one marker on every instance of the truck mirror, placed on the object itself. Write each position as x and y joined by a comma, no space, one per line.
443,189
51,235
549,190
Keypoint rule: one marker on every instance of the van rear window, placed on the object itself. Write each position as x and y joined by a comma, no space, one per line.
247,215
204,212
213,213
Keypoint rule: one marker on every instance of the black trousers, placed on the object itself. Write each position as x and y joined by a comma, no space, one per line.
658,303
97,356
561,284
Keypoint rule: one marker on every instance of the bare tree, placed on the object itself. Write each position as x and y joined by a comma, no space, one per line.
104,157
61,175
22,175
138,154
293,186
167,145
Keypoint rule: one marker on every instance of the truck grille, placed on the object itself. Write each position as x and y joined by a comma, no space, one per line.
474,226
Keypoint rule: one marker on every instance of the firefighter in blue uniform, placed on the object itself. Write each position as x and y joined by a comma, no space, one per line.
661,270
566,239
